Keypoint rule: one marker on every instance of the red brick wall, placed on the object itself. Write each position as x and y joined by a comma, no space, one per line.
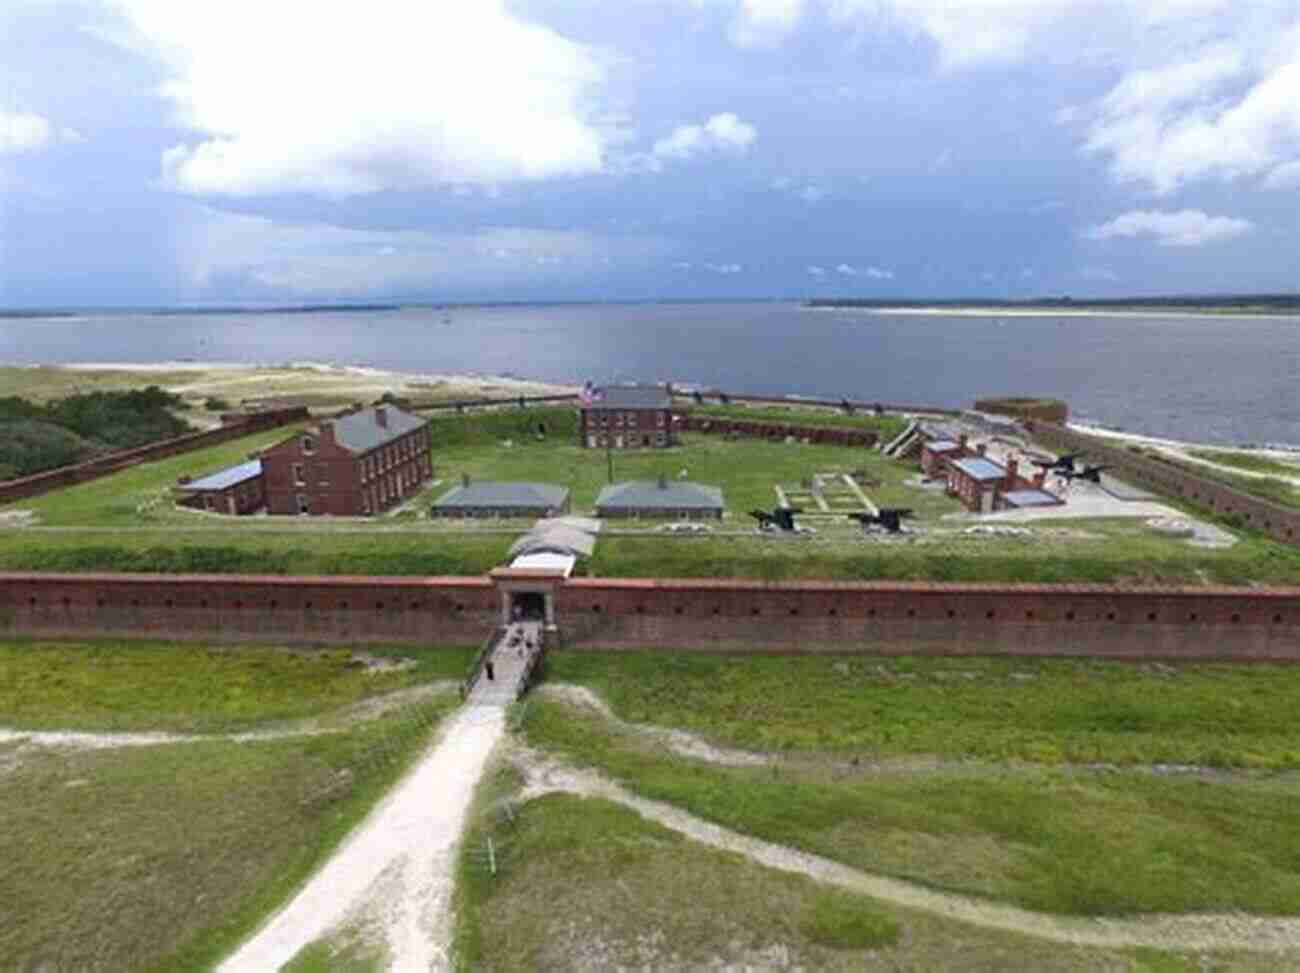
32,486
1281,523
637,425
898,618
420,611
776,430
707,615
333,480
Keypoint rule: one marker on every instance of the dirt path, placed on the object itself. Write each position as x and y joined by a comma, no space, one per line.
366,709
1169,932
396,870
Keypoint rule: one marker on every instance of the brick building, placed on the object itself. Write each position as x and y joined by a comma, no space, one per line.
355,465
234,490
501,498
626,417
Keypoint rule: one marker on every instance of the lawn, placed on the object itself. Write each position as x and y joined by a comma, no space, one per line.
886,427
1077,711
1076,841
1248,461
165,857
115,685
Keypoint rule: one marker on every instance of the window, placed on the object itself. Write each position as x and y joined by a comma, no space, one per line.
298,479
323,475
309,444
659,418
304,507
365,503
618,419
660,439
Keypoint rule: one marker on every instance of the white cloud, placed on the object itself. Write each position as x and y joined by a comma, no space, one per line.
1097,273
721,133
25,132
724,268
1185,228
221,252
846,269
812,194
816,271
1285,176
879,273
761,23
1226,112
338,99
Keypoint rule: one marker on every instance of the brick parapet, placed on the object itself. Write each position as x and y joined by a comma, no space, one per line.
763,429
39,483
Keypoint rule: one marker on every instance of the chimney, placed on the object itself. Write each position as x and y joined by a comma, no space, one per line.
1013,469
663,482
961,442
981,449
381,416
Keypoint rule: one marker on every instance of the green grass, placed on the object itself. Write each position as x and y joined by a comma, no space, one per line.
114,685
164,858
1071,842
1247,461
991,709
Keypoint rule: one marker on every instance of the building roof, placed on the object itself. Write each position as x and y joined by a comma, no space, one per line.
545,562
554,538
1030,498
662,495
228,477
503,493
979,468
631,397
361,432
941,446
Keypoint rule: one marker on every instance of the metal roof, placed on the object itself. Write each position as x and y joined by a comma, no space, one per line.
1030,498
504,493
979,468
941,446
546,562
632,397
361,432
228,477
652,495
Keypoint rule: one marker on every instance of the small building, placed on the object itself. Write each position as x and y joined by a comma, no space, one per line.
354,465
935,452
678,499
626,417
502,498
235,490
975,480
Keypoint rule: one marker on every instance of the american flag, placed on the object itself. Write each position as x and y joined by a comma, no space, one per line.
590,394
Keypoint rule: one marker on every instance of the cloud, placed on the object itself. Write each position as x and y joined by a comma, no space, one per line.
230,254
846,269
1225,112
879,273
762,23
724,268
1285,176
340,99
812,194
721,133
1186,228
816,271
25,132
1097,273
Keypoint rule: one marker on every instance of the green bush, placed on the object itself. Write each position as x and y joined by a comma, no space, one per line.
844,921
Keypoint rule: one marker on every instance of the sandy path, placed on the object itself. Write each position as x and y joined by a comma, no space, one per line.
397,866
1176,932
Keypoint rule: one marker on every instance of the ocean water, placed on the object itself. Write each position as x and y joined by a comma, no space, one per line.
1217,379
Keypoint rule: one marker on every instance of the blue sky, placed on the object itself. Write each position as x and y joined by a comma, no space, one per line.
167,151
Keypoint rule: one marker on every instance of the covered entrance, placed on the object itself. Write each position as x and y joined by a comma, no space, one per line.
530,591
528,606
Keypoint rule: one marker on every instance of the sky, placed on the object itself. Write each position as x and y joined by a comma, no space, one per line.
177,152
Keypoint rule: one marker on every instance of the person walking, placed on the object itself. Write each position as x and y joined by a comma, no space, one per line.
491,674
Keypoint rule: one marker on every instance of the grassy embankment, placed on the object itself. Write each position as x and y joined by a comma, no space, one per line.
1248,461
149,534
165,857
885,427
1009,824
1267,487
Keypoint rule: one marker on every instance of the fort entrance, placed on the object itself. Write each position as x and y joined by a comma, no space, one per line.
530,592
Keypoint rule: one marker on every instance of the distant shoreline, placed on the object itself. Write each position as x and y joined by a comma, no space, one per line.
976,311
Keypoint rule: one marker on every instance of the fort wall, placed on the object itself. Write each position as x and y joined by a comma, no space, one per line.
763,429
883,618
235,428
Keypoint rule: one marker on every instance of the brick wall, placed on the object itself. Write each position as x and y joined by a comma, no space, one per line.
421,611
942,619
1281,523
762,429
709,615
39,483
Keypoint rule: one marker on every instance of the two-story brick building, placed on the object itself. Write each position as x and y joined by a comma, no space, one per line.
355,465
626,417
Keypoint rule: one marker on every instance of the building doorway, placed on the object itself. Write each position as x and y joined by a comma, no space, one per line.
528,606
